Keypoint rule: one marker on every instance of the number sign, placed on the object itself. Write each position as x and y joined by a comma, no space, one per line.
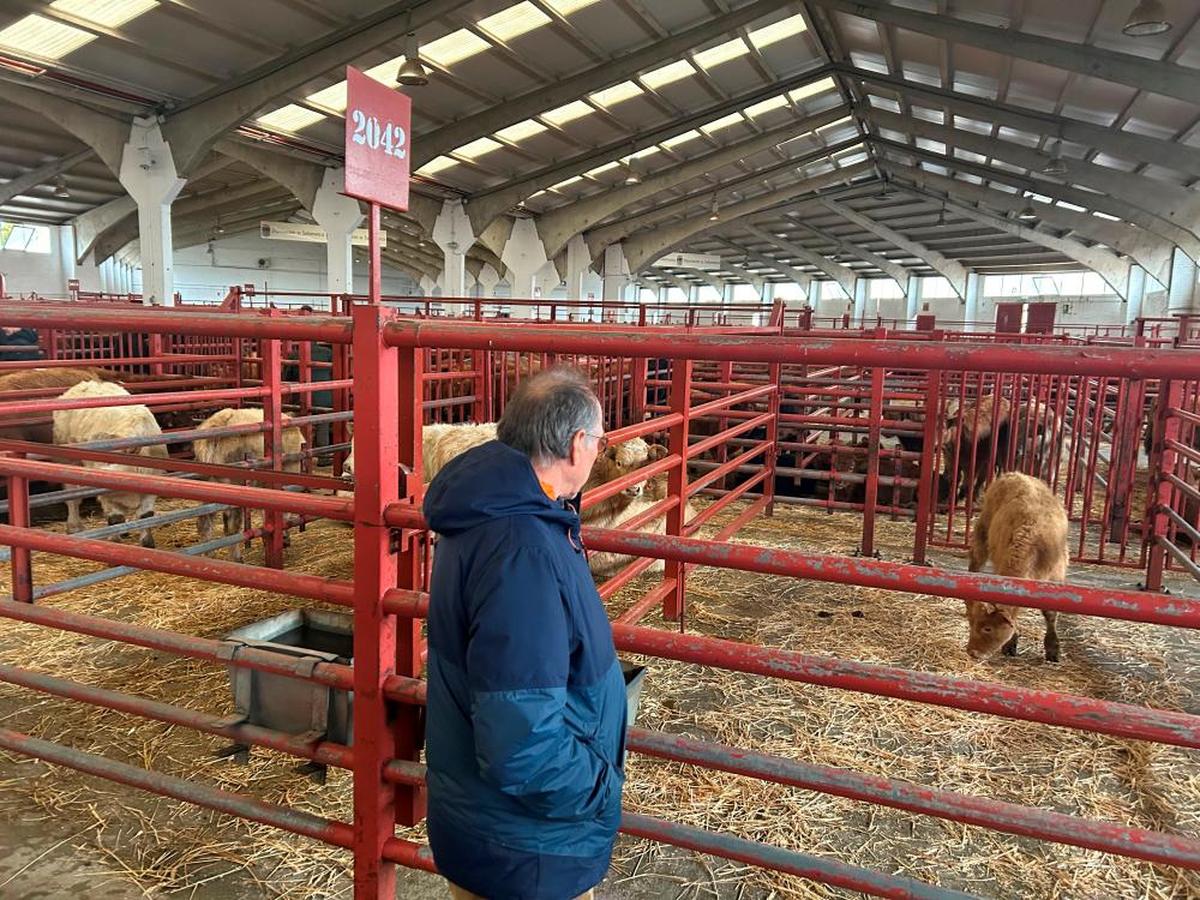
377,141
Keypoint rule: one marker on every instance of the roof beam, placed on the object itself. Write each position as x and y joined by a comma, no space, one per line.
1168,79
649,245
22,184
1175,205
1085,199
802,278
299,176
954,272
447,137
105,134
843,275
893,270
1125,144
1148,250
197,123
1104,263
615,231
505,196
558,225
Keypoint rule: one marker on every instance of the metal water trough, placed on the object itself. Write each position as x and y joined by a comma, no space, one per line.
292,705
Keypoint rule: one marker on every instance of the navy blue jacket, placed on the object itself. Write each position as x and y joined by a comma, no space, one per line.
526,701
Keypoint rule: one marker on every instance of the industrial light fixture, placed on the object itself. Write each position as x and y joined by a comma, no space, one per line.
942,215
885,190
412,73
631,177
1028,213
714,216
1147,19
1055,167
60,188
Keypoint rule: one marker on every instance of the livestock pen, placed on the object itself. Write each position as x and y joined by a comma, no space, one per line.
749,384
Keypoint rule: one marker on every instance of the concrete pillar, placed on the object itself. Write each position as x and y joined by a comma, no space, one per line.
454,237
768,292
426,284
1137,294
524,255
148,175
488,279
88,273
974,289
616,272
912,300
106,283
1182,296
339,215
579,262
862,288
66,254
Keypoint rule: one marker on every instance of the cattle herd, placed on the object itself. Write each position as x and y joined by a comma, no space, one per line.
1021,528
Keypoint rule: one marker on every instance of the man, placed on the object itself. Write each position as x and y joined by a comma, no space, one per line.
526,702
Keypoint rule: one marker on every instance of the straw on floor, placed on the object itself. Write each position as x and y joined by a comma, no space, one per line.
165,846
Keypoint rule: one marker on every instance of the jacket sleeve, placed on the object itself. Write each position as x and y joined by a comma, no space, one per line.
518,660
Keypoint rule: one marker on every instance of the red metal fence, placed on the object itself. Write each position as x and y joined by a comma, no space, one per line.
746,388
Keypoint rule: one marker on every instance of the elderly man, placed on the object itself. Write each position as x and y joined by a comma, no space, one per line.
526,704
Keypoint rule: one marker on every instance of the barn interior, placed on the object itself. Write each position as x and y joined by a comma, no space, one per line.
833,269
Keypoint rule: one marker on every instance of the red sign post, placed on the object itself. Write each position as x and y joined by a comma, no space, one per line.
385,645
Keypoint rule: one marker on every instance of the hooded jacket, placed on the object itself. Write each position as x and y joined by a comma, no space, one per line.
526,709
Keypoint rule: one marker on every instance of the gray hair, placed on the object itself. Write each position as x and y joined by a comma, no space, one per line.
546,411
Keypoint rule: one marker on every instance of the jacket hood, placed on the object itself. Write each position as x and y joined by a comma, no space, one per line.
491,481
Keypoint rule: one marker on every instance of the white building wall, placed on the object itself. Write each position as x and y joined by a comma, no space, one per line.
40,273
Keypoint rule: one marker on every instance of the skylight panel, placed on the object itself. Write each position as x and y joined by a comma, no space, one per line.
767,105
672,143
477,148
772,34
437,164
454,47
522,130
714,56
618,93
812,89
667,74
569,112
105,13
38,36
723,122
513,22
332,98
574,179
640,154
566,7
291,118
600,170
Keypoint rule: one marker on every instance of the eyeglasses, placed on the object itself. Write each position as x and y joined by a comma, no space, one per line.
601,441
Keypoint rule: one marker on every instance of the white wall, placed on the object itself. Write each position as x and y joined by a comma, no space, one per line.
40,273
293,266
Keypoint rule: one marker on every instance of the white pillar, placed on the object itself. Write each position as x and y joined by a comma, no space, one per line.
88,274
971,310
862,287
488,279
525,256
106,280
66,253
339,215
616,272
1181,292
912,297
426,284
579,261
1137,294
453,234
148,175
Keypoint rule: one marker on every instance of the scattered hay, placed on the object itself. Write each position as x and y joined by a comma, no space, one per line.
165,846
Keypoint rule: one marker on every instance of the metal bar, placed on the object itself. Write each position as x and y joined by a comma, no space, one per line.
1046,707
1139,843
234,495
26,407
339,834
817,868
765,348
314,587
